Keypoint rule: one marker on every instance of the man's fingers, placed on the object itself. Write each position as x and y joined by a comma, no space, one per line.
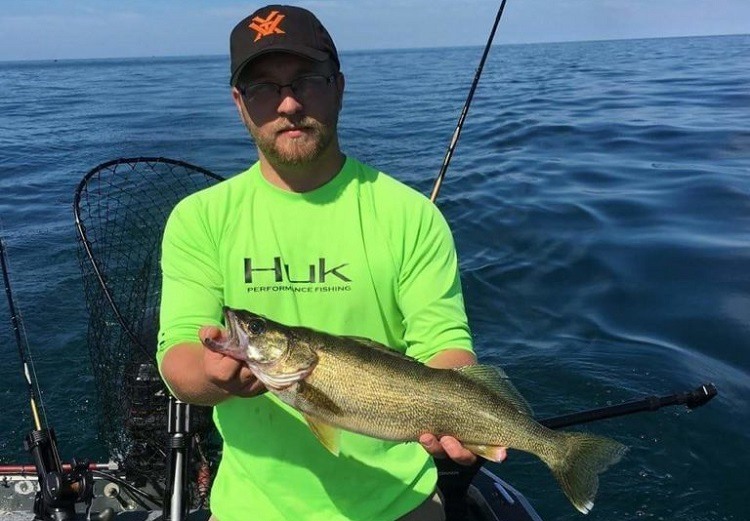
219,367
224,371
432,445
210,332
250,386
447,446
456,451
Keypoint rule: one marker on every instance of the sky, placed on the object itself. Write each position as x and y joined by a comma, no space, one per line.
62,29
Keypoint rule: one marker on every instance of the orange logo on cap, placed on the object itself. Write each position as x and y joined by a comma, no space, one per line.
267,26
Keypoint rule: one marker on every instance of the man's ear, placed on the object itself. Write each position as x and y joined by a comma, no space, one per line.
237,98
340,83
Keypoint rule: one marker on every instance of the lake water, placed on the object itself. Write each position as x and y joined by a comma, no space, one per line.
599,196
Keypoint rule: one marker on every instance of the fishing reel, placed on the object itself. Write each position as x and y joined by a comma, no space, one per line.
59,490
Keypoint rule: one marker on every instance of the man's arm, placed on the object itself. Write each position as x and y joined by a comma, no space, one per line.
451,358
200,376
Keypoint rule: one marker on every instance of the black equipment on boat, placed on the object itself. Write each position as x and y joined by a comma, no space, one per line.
60,489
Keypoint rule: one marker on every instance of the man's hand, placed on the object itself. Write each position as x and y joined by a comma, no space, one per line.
225,372
450,447
197,375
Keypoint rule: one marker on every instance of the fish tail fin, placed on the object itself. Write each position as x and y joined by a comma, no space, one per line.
578,463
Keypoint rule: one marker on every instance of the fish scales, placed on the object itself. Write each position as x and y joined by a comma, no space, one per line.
371,398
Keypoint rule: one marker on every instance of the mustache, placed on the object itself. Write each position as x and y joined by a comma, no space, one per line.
306,122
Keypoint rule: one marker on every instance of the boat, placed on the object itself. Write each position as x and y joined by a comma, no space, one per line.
479,497
163,451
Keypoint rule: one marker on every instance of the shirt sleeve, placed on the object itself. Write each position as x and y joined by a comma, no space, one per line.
430,295
191,294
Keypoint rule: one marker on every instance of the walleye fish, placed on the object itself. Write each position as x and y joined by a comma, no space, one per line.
361,386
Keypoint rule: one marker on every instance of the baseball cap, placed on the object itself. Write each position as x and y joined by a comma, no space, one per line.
279,28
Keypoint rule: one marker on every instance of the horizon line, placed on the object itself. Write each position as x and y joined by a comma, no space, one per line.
382,49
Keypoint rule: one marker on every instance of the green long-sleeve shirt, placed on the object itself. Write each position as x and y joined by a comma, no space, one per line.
362,255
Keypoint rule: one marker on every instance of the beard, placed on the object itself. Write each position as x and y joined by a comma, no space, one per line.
284,150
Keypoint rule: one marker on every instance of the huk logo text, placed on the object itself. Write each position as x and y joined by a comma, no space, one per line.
318,273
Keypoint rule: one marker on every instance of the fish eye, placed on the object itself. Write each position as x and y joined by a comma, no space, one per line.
256,327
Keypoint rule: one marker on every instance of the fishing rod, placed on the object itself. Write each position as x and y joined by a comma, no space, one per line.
59,488
465,110
692,399
28,366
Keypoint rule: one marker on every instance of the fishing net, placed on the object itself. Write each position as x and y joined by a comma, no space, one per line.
121,208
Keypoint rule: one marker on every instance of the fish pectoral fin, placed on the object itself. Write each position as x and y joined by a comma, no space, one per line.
488,452
327,434
497,381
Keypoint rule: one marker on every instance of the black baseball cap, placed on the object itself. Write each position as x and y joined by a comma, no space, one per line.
279,28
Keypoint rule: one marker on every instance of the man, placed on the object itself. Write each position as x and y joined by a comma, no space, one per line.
306,236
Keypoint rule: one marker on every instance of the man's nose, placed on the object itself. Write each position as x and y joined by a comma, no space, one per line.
289,103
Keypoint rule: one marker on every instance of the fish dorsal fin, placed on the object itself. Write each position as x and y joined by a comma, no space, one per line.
497,381
366,341
327,434
372,344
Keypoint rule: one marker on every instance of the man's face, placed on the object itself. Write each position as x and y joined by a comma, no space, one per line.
290,128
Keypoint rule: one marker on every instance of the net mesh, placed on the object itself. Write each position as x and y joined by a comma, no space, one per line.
121,209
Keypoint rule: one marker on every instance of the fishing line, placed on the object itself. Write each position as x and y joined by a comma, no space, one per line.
24,350
465,110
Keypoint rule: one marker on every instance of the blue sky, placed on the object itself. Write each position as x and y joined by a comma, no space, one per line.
46,29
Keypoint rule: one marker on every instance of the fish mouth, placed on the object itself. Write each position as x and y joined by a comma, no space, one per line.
235,344
232,344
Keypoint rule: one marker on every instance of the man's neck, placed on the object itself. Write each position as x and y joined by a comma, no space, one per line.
305,177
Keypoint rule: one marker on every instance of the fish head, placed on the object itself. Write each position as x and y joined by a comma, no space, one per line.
272,351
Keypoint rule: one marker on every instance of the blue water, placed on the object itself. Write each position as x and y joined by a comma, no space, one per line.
599,196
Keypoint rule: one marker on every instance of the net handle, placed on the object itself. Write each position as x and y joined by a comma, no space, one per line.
81,228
